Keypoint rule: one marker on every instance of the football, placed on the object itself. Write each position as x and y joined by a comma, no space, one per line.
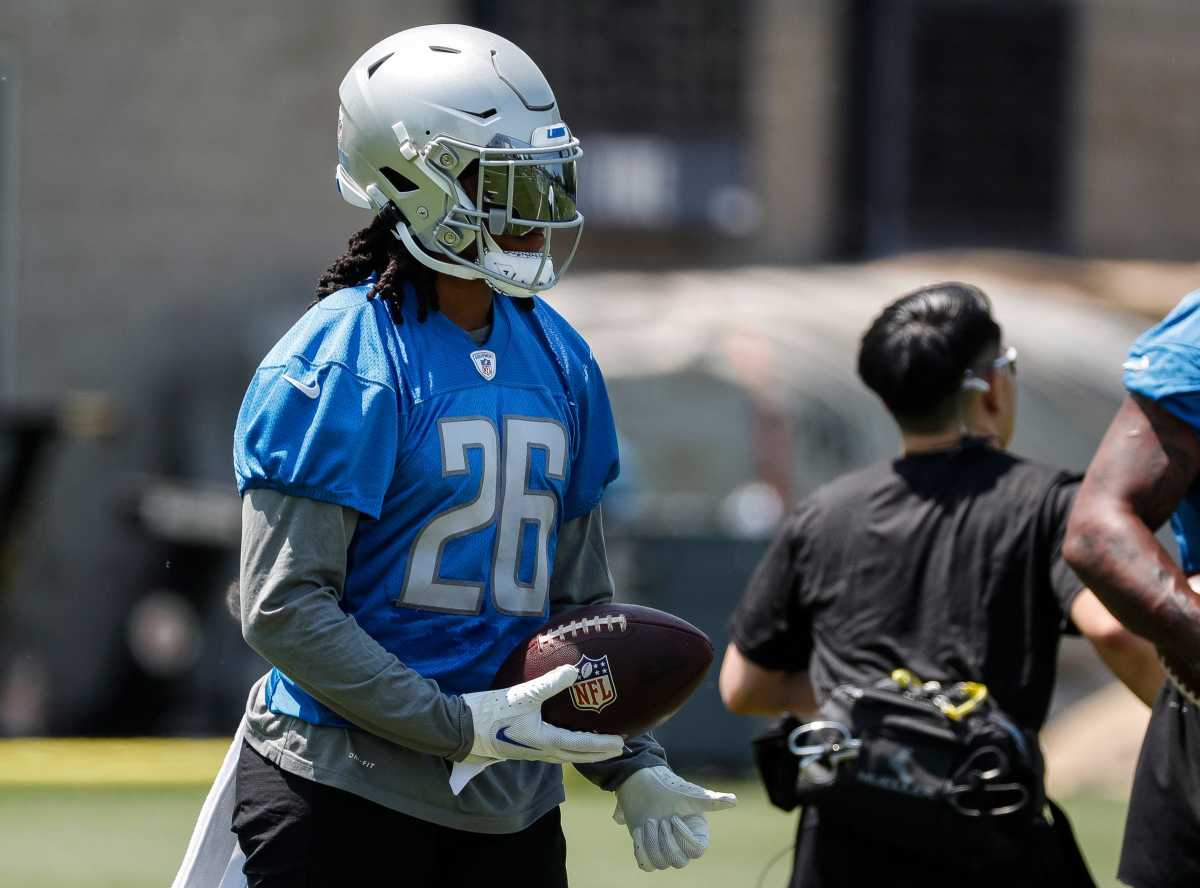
637,666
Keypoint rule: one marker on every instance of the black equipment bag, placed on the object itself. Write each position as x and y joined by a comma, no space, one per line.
905,759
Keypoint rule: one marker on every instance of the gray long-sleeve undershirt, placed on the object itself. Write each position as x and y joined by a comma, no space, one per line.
293,571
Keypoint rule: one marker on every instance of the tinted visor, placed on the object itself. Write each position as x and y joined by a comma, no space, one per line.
543,185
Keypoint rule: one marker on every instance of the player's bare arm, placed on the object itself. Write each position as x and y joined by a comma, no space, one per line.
1145,465
1130,657
749,689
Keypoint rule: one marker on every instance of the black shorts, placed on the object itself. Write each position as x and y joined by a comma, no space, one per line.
1162,830
836,855
299,834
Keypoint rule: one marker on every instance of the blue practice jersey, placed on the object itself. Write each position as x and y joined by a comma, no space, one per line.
1164,365
463,460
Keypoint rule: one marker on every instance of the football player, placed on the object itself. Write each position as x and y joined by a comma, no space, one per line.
422,459
1145,472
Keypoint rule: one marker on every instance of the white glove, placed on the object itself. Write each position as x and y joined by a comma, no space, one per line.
665,816
508,725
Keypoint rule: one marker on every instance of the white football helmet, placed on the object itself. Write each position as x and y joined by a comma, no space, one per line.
421,108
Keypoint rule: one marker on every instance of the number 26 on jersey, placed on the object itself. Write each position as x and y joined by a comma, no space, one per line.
504,495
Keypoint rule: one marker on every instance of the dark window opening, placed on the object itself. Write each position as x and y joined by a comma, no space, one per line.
673,67
958,126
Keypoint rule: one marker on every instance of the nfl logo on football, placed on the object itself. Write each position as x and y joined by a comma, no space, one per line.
595,688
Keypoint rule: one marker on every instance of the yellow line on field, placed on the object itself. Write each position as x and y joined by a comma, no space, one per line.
134,761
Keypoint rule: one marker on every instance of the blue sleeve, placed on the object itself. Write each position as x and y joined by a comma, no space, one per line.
1164,362
596,462
320,431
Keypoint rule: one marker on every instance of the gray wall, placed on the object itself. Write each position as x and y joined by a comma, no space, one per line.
796,93
1136,182
175,155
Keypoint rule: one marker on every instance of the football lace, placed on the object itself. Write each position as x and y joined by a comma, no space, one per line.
609,622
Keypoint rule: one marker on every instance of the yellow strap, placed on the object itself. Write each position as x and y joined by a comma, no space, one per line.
976,694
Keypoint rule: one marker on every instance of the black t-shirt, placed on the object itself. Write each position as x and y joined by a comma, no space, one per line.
947,563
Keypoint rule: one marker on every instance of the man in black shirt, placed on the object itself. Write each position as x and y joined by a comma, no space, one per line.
946,562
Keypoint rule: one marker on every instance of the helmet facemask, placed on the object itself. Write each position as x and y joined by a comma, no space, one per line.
509,189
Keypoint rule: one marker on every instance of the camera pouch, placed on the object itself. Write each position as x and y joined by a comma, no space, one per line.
904,759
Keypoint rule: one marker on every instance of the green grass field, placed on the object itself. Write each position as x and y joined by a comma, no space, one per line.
80,814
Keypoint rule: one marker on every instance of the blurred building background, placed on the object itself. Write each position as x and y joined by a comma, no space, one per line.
759,179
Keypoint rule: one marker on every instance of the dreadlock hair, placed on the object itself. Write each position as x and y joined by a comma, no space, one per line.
375,249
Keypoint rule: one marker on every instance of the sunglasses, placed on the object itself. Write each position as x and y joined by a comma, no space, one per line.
1008,359
971,382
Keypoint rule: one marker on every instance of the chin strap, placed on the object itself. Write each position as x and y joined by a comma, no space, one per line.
520,270
509,273
514,272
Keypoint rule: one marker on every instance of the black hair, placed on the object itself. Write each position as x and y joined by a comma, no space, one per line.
375,249
915,353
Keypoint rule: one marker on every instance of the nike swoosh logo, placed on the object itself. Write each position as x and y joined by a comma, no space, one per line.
502,734
1138,364
310,391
